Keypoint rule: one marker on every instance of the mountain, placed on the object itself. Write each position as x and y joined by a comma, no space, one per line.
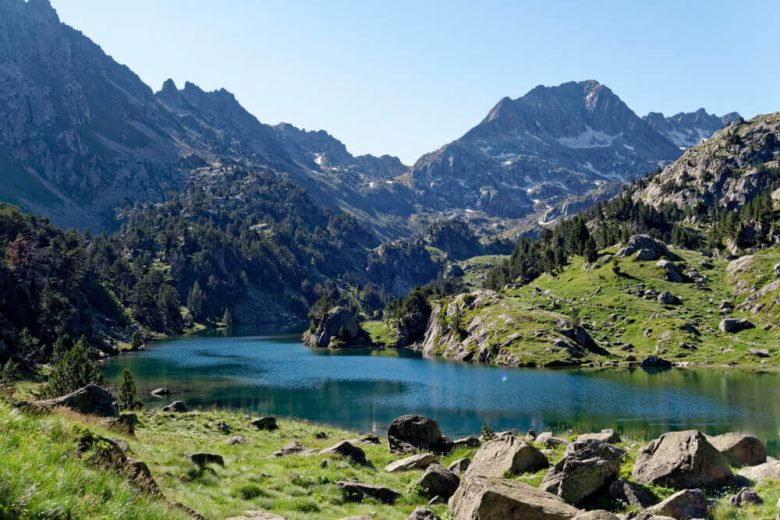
689,129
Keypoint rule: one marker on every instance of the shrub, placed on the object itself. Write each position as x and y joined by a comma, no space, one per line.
75,370
128,395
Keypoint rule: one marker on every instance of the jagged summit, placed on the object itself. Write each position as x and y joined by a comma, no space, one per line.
688,129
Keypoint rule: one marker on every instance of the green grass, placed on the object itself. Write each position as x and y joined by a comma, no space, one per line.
381,333
521,323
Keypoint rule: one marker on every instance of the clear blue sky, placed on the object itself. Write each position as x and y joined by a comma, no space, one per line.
405,77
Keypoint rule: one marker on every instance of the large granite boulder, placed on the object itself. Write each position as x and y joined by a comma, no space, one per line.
338,328
423,513
630,494
419,461
769,470
504,456
439,481
492,498
607,435
89,400
740,449
349,451
644,247
175,407
683,505
412,433
734,325
596,515
681,460
586,468
256,515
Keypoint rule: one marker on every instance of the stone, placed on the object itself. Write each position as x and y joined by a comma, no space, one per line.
745,496
139,473
419,461
256,515
337,329
439,481
596,515
734,325
769,470
125,423
88,400
681,460
423,513
506,456
203,459
759,352
630,494
369,438
585,468
222,426
265,423
655,362
467,442
175,407
235,439
671,273
357,492
493,498
740,449
645,247
607,435
460,466
667,298
549,440
683,505
349,451
291,448
412,433
160,392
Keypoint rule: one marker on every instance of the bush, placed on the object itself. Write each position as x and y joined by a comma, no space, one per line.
75,370
9,373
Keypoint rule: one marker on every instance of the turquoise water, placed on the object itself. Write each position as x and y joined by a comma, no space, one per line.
365,390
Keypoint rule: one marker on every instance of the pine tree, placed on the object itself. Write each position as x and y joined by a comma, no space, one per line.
9,373
196,301
136,341
589,252
128,395
75,370
487,431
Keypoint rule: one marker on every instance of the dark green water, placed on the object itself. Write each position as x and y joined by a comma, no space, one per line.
365,390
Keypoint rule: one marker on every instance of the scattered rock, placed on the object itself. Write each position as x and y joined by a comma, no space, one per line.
439,481
236,439
107,453
291,448
740,449
222,426
655,362
607,435
667,298
265,423
357,492
256,515
596,515
125,423
419,461
681,460
628,493
337,329
369,438
745,496
549,440
645,247
734,325
492,498
88,400
348,450
411,433
769,470
160,392
759,352
320,435
585,469
460,466
504,456
176,407
467,442
671,273
203,459
423,513
683,505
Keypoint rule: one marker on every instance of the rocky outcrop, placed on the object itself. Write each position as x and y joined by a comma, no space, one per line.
338,328
585,469
492,498
644,247
506,456
89,400
740,449
460,466
681,460
411,433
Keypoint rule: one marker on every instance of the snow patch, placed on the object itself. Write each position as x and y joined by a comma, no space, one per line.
590,138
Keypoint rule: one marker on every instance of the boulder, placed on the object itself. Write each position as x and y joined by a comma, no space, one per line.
734,325
744,497
759,352
175,407
506,456
466,442
256,515
549,440
671,272
776,269
460,466
769,470
88,400
411,433
607,435
423,513
369,438
681,460
357,492
740,449
596,515
292,448
667,298
419,461
349,451
203,459
125,423
655,362
160,392
585,468
235,439
337,329
265,423
683,505
492,498
439,481
630,494
645,247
